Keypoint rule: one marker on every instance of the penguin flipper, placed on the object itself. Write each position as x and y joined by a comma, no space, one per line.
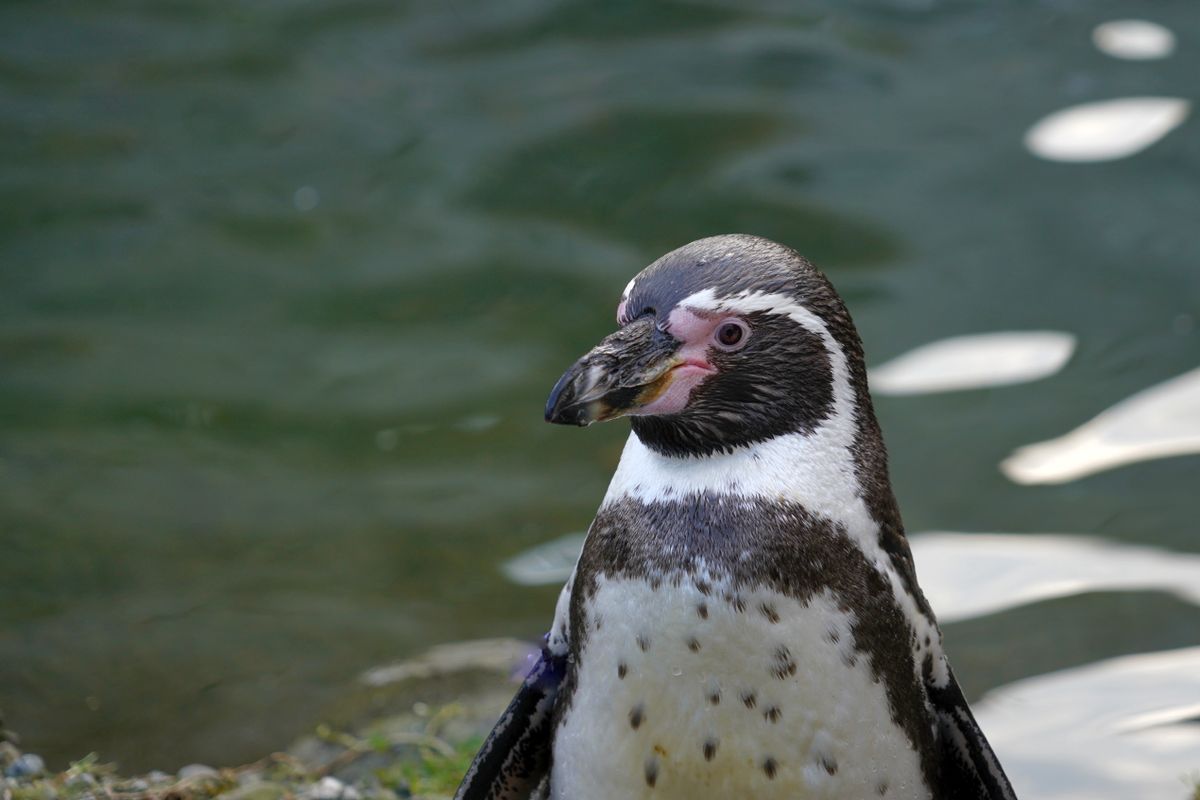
515,757
969,767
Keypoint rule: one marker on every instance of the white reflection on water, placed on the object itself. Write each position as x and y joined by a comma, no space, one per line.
1134,39
1105,130
970,575
968,362
545,564
1163,420
1113,730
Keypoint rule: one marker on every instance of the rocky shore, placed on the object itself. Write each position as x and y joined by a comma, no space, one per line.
405,730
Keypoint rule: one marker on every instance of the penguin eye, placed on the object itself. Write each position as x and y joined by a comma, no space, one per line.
731,335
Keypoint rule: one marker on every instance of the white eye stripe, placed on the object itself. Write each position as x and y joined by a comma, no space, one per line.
750,302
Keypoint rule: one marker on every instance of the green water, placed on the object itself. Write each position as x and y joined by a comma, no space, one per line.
284,285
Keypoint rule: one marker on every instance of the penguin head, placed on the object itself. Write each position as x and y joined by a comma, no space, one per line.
725,342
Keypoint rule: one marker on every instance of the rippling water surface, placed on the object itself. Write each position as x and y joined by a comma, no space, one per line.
284,285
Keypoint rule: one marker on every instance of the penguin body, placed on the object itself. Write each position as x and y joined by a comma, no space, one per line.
741,690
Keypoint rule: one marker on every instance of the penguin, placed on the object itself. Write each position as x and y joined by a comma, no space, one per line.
744,620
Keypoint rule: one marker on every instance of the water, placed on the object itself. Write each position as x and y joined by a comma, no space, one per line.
283,287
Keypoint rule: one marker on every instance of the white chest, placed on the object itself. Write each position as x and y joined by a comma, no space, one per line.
693,692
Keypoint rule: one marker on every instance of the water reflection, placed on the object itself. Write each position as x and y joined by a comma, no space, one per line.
970,575
1108,731
1105,130
1163,420
546,564
1134,39
969,362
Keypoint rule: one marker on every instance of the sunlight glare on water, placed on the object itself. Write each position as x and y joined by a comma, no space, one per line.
1158,422
1106,130
971,362
968,575
1134,39
971,574
1082,734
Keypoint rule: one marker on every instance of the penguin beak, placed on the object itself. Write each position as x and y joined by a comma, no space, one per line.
625,372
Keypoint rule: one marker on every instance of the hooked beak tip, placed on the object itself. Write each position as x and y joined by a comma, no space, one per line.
561,406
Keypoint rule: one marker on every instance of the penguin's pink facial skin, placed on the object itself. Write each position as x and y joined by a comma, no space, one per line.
650,367
696,331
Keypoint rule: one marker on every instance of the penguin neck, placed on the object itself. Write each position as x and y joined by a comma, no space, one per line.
820,471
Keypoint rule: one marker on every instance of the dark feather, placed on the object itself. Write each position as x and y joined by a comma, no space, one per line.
516,755
969,768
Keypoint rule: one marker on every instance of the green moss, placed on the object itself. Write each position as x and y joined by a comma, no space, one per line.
38,790
434,774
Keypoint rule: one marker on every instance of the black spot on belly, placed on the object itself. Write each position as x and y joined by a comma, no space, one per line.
784,665
714,695
636,715
750,699
622,670
704,587
882,788
830,764
693,644
710,748
770,766
651,771
773,714
768,611
643,643
702,610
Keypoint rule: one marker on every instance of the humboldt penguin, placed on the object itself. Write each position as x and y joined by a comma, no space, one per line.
744,620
